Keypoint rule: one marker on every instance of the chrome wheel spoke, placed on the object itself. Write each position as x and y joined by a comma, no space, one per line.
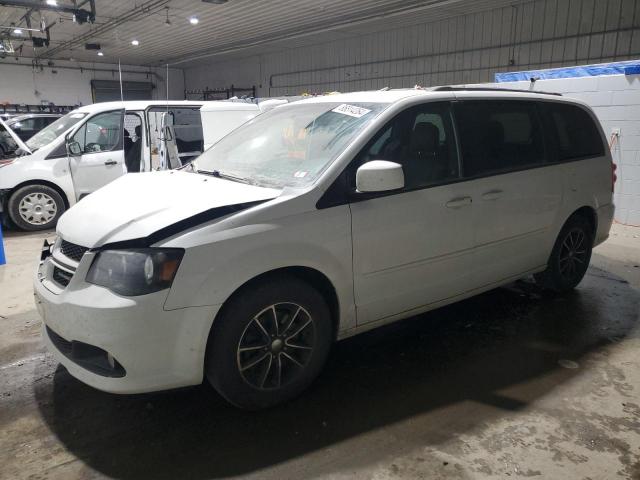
255,362
261,327
275,320
299,330
300,347
286,355
253,349
266,372
293,319
279,370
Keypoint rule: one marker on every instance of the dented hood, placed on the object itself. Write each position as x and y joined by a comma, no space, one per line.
140,205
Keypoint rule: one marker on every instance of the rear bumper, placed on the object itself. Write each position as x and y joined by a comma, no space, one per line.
605,219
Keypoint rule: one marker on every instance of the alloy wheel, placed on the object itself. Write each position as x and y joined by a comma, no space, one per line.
573,254
276,346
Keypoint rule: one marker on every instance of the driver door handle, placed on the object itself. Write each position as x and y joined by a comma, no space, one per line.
458,202
492,195
110,162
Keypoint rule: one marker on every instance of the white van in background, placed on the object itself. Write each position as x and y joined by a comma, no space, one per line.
95,144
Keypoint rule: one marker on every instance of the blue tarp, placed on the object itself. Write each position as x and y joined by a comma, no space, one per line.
3,260
617,68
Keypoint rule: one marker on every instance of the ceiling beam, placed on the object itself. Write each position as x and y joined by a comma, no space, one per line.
40,5
141,10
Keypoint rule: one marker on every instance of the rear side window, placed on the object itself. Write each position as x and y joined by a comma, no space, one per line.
576,134
499,136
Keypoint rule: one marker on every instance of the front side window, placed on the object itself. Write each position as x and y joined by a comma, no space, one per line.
289,145
421,140
576,133
499,136
101,133
54,130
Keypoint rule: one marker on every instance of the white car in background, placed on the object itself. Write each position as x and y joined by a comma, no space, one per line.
95,144
316,221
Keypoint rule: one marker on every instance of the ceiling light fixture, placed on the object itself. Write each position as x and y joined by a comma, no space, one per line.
17,31
100,54
194,20
53,3
135,43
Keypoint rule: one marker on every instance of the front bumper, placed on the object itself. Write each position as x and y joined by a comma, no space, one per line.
157,349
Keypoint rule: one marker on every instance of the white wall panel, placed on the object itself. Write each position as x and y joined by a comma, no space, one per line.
464,49
21,83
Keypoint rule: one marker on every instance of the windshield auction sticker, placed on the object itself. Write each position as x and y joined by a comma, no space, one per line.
351,110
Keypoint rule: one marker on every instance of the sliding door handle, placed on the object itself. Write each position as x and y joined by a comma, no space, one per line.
110,162
492,195
458,202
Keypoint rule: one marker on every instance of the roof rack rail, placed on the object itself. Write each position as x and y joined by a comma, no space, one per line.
448,88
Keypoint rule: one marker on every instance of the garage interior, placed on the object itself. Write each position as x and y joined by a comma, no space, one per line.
514,382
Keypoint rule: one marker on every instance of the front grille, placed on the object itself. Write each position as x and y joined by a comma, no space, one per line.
61,277
72,251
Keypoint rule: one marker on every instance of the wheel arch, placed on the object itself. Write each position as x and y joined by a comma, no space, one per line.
312,276
46,183
590,214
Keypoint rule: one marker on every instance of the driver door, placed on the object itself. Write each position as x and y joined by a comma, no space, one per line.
100,158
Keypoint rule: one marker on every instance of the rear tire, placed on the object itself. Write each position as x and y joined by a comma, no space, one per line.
570,256
269,343
35,207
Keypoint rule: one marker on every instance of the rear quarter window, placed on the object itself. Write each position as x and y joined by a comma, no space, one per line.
576,134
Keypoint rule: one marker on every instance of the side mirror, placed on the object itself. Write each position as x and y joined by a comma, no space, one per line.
74,148
379,176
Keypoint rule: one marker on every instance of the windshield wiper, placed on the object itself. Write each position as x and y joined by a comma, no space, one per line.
219,174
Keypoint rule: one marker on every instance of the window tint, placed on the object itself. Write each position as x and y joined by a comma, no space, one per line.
28,124
187,125
421,140
44,121
575,131
101,133
499,135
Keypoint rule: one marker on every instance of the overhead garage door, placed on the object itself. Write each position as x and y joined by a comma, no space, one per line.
109,90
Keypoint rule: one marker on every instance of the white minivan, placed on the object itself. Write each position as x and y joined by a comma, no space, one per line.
95,144
316,221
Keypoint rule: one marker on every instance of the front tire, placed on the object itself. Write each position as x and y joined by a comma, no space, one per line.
35,207
269,343
570,256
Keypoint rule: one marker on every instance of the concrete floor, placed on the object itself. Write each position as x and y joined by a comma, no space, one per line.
514,382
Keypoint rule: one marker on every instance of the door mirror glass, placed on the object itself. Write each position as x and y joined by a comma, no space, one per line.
379,176
74,148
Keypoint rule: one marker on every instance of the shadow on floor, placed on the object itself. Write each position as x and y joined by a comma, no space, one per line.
467,351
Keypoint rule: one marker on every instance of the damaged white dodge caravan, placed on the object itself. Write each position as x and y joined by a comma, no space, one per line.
316,221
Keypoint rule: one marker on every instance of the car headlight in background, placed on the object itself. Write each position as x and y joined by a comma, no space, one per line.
136,271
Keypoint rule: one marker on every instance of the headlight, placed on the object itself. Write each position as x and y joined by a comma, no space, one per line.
137,271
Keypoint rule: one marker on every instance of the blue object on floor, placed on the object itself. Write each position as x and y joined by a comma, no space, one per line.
3,259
